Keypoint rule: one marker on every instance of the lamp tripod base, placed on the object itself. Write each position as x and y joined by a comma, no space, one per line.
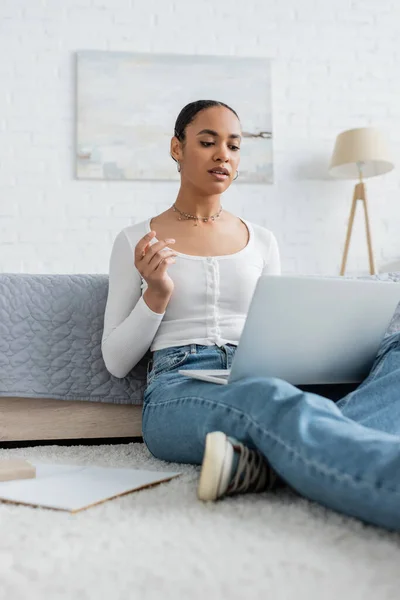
359,194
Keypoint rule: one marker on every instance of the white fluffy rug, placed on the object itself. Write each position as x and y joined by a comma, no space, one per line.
162,543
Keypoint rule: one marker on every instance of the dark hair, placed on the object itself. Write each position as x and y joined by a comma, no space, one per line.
188,113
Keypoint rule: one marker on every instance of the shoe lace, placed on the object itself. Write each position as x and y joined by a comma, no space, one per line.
253,473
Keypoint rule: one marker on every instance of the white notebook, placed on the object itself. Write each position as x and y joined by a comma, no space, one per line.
76,487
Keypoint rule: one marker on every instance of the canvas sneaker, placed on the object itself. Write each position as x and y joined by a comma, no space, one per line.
229,467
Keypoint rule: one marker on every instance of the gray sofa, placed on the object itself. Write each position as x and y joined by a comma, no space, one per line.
53,381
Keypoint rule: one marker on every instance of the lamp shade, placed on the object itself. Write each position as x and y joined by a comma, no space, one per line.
365,146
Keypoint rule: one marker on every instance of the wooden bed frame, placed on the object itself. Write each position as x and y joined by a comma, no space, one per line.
34,419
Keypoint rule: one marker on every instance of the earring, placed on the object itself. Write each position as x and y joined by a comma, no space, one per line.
237,175
179,167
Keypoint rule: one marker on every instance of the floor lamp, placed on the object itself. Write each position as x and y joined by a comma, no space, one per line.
359,154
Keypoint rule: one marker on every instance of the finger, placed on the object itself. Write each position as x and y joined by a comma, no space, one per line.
165,263
159,248
145,246
161,262
141,246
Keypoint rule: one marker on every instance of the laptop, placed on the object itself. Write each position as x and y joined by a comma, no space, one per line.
310,330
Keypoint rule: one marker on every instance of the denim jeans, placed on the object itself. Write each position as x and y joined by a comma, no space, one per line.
344,455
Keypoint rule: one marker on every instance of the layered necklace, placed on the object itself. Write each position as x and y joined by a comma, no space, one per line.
187,216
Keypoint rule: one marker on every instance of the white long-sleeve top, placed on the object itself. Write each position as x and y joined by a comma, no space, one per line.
208,306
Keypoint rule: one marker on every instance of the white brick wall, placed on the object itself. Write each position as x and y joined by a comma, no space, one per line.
336,66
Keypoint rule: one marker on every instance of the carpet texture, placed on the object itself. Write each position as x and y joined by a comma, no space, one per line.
162,543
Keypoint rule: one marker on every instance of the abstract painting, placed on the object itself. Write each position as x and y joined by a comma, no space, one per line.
127,104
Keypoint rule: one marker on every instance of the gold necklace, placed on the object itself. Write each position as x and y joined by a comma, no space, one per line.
187,216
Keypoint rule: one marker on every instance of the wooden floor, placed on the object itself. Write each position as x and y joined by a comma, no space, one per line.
30,419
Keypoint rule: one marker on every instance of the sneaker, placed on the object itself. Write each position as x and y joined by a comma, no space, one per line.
229,467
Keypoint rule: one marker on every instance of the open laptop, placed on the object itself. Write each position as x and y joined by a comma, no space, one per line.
310,330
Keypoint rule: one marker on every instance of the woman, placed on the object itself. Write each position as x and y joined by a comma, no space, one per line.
181,283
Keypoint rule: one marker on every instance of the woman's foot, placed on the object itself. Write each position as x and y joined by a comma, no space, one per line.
229,467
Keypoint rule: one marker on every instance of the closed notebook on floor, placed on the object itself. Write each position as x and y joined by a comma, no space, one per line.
76,487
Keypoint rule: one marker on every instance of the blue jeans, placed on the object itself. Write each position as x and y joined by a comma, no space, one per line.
344,455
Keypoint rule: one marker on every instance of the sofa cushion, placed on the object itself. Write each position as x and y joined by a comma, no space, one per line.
50,340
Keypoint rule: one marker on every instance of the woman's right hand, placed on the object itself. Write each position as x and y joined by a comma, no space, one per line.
152,263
